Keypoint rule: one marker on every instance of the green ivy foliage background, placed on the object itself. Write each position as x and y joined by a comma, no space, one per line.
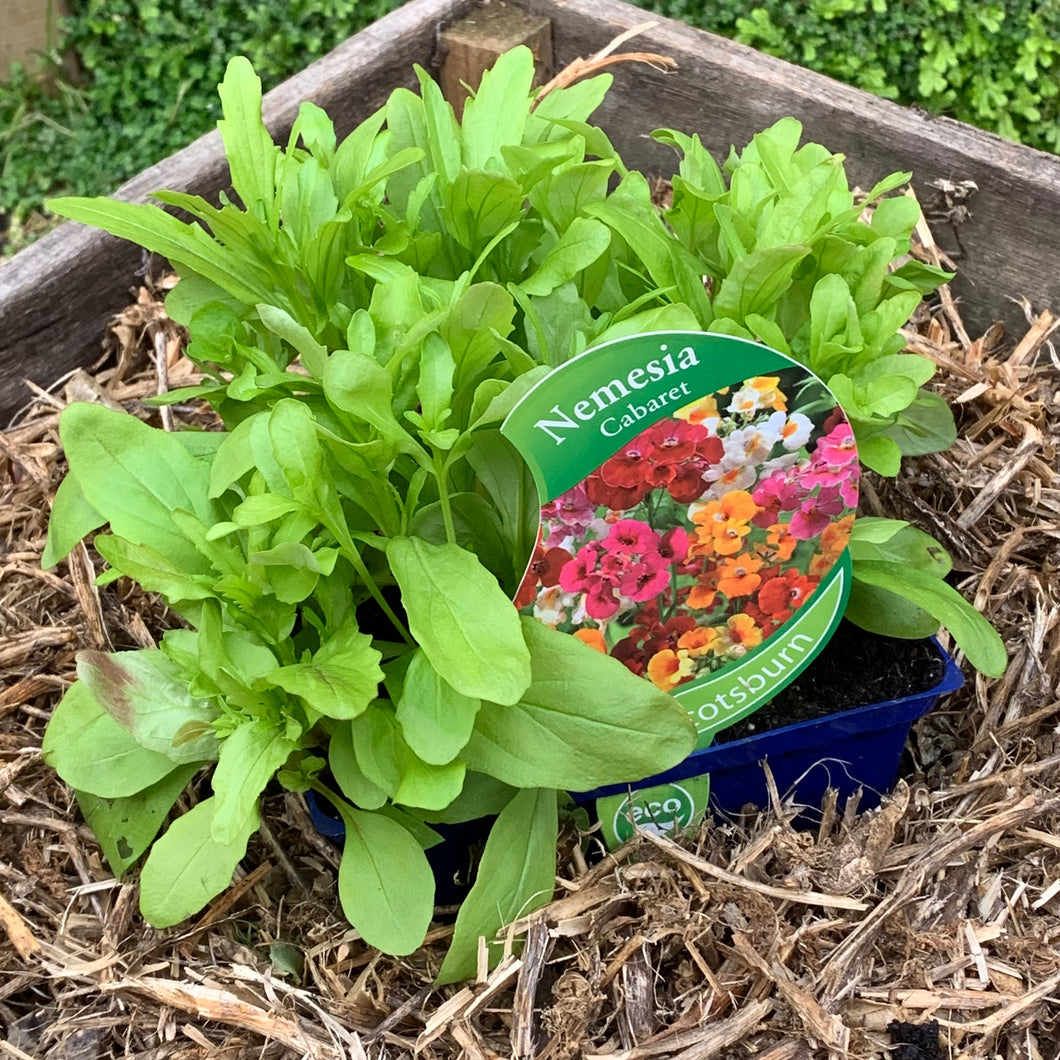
147,86
149,68
995,64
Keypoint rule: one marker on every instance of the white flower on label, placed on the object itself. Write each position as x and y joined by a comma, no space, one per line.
793,431
745,402
753,444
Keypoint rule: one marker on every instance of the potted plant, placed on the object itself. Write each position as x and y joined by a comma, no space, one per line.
345,552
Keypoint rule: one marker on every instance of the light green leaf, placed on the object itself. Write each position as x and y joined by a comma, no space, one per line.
248,759
673,317
905,545
389,763
517,875
481,796
435,384
496,114
296,335
348,774
495,398
307,201
263,508
768,331
186,246
756,282
341,679
296,448
187,867
580,702
874,530
427,786
878,453
583,242
125,827
896,217
886,613
358,384
461,618
443,140
93,753
435,719
478,204
975,636
355,154
483,312
134,476
385,883
147,694
925,426
71,519
155,572
248,146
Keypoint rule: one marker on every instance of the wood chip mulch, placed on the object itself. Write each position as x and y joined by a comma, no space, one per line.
928,928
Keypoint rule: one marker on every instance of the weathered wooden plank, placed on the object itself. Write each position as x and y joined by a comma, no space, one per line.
726,92
57,295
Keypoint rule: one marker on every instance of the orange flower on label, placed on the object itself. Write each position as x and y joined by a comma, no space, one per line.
698,641
738,575
771,398
668,668
593,637
737,636
820,565
722,525
835,536
702,594
782,540
704,411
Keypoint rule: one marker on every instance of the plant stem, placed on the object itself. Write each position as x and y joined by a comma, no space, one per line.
352,553
443,499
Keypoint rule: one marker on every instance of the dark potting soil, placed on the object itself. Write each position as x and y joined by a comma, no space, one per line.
854,669
915,1041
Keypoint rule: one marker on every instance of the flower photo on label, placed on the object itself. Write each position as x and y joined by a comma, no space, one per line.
702,535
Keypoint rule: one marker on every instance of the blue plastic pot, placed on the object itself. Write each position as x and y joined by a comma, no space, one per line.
859,748
855,749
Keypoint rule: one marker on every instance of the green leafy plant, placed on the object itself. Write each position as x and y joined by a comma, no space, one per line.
792,262
345,552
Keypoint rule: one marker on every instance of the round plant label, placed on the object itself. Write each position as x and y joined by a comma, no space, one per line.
699,494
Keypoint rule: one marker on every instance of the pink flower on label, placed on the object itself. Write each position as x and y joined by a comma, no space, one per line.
574,575
674,546
816,513
846,481
783,491
601,602
572,509
837,448
644,580
631,536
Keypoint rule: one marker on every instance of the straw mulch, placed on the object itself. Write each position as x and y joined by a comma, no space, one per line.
941,909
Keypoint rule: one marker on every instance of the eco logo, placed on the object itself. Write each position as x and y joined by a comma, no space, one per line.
661,810
699,494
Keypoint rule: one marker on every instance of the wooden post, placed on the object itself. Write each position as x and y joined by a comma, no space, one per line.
28,28
474,44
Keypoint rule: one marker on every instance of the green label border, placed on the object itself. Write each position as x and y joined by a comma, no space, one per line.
581,408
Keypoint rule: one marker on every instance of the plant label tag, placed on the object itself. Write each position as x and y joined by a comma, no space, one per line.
699,491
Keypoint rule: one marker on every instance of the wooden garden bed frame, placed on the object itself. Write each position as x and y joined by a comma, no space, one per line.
56,296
